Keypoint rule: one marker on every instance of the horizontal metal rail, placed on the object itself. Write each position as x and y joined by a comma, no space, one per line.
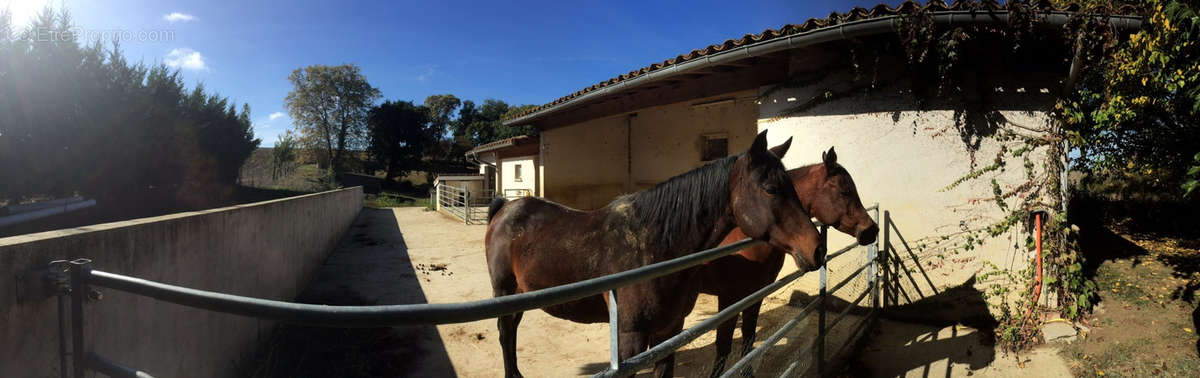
112,369
402,315
658,352
831,256
842,314
848,278
424,314
791,369
771,340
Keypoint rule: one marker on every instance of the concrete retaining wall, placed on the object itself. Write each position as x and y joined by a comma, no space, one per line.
265,250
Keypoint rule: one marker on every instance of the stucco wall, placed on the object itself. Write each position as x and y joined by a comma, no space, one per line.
667,139
508,177
265,250
585,164
590,163
905,160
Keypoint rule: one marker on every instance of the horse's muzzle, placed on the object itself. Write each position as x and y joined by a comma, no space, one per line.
818,258
868,235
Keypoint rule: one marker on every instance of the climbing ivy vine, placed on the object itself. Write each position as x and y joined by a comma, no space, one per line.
1129,101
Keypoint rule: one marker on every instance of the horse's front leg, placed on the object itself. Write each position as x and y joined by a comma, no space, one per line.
749,329
631,343
724,336
665,368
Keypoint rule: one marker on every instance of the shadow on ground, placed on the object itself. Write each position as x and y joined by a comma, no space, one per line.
370,266
919,324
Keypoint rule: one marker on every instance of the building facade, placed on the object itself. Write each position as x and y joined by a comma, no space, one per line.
836,82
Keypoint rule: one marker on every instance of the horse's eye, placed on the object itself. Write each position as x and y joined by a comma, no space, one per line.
771,189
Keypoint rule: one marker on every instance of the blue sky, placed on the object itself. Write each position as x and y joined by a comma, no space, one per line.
517,51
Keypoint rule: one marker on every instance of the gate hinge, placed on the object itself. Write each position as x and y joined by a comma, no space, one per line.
42,282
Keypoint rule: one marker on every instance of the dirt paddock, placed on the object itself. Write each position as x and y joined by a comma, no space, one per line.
407,255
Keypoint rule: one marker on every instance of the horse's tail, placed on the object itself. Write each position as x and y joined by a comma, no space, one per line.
494,207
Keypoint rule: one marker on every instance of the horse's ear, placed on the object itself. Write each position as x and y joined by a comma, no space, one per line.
759,147
829,157
970,281
781,149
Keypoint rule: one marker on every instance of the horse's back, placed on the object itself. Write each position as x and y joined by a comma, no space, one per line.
532,244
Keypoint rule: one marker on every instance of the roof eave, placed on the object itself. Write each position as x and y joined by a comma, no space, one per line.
853,29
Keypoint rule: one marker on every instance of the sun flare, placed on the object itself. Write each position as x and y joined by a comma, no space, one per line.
23,11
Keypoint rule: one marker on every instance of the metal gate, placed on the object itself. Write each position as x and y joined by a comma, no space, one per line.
75,278
459,203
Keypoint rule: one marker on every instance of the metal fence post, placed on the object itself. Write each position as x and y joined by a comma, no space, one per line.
79,270
466,206
60,275
883,260
820,349
614,333
872,272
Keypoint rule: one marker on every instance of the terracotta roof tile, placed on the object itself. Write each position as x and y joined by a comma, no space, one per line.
834,18
513,141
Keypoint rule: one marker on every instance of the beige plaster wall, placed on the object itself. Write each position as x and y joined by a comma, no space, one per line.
588,164
905,160
585,164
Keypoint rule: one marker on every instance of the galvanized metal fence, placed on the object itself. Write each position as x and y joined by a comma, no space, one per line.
471,208
76,278
460,203
454,200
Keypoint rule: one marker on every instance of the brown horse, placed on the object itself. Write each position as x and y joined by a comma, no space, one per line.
535,244
828,193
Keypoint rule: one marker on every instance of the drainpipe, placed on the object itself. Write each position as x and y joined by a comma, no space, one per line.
1038,216
1072,76
495,170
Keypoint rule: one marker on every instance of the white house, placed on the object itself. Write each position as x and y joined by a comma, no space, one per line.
511,167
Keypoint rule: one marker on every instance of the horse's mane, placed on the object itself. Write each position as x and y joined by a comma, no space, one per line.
673,211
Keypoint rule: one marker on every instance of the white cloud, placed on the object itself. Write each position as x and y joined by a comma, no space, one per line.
275,116
425,75
176,16
185,58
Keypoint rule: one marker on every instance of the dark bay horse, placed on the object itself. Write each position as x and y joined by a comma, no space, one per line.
828,193
535,244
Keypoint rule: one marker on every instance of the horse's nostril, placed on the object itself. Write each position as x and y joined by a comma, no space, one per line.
868,235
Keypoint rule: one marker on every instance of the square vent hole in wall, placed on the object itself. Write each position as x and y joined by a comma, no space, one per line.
714,146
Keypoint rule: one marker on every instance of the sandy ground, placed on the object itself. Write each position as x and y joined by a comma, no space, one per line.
407,255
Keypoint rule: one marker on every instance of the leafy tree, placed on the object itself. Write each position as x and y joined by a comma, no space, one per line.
283,155
329,105
399,133
441,112
82,120
441,108
485,123
1135,112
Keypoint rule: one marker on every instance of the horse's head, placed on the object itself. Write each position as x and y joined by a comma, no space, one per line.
765,205
833,198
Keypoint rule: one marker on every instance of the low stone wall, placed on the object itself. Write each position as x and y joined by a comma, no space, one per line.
265,250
